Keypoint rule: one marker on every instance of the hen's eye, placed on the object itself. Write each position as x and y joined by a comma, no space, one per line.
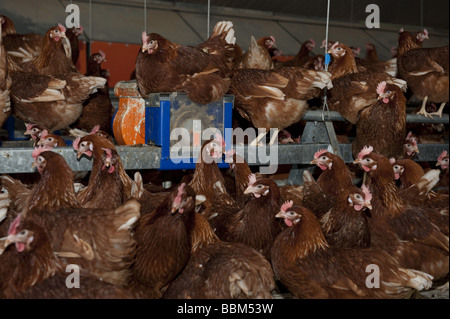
259,186
23,232
56,31
323,158
291,213
357,196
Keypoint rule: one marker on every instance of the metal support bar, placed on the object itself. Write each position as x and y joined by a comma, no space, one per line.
19,159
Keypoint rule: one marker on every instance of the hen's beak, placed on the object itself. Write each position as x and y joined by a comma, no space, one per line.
356,161
416,149
34,165
79,154
314,161
368,205
249,190
144,48
280,214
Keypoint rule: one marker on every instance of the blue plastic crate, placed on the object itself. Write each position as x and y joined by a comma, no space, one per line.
168,113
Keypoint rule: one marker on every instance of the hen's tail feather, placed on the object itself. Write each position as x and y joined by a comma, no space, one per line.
428,181
138,186
129,213
419,280
400,83
391,67
17,192
322,79
307,177
49,95
224,27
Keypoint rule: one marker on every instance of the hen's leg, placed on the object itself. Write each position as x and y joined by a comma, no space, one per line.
423,108
439,112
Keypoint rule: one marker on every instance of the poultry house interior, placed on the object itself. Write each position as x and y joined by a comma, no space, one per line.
226,150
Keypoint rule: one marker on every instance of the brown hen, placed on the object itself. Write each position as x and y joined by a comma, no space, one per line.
30,270
310,268
98,240
353,90
221,270
426,70
382,124
414,241
164,66
163,243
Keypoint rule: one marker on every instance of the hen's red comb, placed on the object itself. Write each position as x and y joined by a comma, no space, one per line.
287,205
30,126
38,150
61,27
95,129
108,152
409,135
425,32
44,134
218,138
367,193
76,143
320,152
272,38
334,45
312,42
365,151
180,191
251,179
102,54
381,87
441,157
144,37
392,161
14,224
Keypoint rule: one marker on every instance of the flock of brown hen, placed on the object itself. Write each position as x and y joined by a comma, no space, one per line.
220,234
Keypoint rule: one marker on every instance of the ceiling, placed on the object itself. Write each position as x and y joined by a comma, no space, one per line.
290,21
430,13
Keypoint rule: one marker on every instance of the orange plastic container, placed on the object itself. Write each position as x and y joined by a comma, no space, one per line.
129,121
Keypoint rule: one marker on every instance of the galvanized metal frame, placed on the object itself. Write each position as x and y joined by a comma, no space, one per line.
15,156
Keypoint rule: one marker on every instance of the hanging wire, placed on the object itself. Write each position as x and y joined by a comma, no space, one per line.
208,19
90,20
145,15
327,61
421,14
35,16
